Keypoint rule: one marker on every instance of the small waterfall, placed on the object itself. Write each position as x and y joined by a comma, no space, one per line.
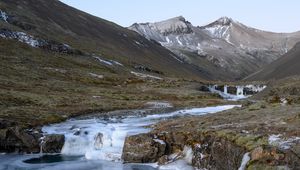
99,139
240,91
42,140
226,89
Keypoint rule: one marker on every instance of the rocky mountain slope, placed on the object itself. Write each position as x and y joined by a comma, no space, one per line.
41,25
58,64
287,65
225,48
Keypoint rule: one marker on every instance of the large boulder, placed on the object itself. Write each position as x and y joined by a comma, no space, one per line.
143,148
52,143
232,90
16,139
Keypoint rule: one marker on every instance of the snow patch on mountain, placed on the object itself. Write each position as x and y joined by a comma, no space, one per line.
108,62
20,36
3,15
142,75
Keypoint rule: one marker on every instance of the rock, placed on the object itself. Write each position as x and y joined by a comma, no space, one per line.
204,88
98,141
163,160
52,143
143,149
77,133
16,139
267,153
220,88
232,90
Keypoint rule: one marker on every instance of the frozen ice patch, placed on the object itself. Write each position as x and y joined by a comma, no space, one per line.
283,143
157,105
188,154
246,159
145,75
96,75
104,61
3,16
116,62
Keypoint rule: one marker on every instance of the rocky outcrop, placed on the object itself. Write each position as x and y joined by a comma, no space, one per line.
16,139
49,45
21,140
210,150
52,143
98,144
143,149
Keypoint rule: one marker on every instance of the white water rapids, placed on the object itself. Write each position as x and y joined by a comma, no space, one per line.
98,143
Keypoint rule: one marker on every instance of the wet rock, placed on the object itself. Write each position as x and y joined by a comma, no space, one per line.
232,90
217,153
77,133
98,141
163,160
204,88
268,154
53,143
220,88
249,91
16,139
142,149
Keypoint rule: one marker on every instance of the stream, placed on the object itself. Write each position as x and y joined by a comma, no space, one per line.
97,143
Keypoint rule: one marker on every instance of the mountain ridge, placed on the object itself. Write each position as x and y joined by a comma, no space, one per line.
225,43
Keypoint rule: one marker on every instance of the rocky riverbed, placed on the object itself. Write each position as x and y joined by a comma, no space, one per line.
267,134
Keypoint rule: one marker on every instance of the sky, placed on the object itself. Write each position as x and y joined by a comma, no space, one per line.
270,15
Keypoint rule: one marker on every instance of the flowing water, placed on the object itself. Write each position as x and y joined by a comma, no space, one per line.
97,143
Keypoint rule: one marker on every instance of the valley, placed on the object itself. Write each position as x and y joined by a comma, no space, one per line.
81,92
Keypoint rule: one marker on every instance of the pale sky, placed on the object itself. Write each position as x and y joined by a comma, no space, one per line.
270,15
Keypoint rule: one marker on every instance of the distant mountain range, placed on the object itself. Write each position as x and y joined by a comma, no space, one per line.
224,49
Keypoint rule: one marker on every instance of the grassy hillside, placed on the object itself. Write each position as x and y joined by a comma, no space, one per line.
287,65
53,20
45,84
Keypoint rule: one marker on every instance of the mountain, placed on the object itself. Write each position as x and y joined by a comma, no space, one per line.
287,65
225,48
57,61
52,25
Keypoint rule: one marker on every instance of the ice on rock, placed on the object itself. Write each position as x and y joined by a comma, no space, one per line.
188,154
98,141
283,143
240,91
104,139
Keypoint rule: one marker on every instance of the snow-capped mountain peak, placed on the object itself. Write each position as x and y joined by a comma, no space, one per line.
224,21
219,28
177,25
224,43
